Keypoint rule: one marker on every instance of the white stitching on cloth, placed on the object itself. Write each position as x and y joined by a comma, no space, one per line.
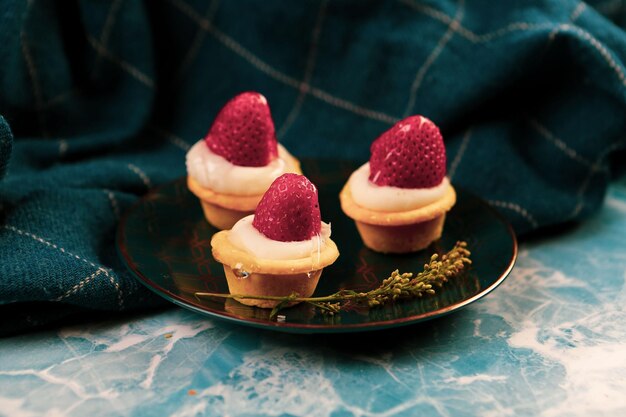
346,105
308,72
35,83
597,45
592,171
144,177
120,295
59,98
524,26
510,28
264,67
106,30
172,138
578,11
197,42
104,39
432,57
460,29
469,34
460,153
516,208
428,11
78,286
120,299
552,35
233,45
62,147
130,69
549,136
114,205
110,21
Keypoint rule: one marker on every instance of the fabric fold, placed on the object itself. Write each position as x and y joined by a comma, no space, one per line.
104,99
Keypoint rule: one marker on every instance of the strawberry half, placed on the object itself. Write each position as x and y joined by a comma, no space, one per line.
409,155
243,131
289,210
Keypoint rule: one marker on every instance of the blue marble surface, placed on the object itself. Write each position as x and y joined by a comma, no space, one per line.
550,341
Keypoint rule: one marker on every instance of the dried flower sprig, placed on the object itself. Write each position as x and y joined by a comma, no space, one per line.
398,286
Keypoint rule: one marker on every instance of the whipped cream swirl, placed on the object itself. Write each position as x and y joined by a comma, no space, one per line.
386,198
218,174
246,237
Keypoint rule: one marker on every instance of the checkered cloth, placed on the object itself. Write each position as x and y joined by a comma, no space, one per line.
101,100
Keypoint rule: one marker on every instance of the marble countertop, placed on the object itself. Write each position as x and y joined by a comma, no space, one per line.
550,341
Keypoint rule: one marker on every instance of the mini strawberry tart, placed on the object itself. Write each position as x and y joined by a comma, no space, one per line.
279,250
234,165
399,199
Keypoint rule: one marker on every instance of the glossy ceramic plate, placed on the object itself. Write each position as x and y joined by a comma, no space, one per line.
165,241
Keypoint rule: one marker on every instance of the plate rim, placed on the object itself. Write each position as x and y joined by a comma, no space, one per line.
304,328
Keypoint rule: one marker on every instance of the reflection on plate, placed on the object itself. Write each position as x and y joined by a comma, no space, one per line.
165,241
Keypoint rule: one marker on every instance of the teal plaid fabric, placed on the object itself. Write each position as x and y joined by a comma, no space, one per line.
101,99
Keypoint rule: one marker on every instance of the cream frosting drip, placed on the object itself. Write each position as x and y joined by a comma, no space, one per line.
218,174
246,237
386,198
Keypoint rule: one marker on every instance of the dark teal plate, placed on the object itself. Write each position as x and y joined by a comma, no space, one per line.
165,241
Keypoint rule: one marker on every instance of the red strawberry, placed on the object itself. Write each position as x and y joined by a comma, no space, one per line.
243,131
289,210
409,155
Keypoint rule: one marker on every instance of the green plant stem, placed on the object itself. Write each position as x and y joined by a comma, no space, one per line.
332,297
398,286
